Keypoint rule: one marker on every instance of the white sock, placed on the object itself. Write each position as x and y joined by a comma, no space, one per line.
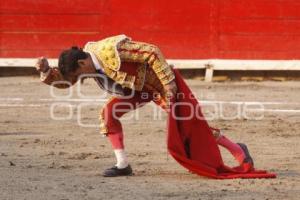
121,157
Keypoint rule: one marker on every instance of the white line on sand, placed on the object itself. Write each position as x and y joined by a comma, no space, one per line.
277,110
250,102
20,105
74,100
202,101
11,99
259,110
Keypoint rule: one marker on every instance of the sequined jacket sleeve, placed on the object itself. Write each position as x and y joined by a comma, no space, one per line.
132,51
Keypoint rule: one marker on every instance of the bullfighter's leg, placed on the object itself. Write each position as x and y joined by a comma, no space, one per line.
111,126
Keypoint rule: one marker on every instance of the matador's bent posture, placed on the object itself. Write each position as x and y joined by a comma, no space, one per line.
137,68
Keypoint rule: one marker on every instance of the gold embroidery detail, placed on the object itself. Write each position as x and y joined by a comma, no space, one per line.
120,78
103,127
106,51
140,77
129,82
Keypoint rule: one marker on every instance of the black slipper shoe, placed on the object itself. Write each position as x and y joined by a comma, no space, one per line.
248,158
114,171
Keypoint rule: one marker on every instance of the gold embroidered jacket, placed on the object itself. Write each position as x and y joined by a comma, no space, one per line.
112,52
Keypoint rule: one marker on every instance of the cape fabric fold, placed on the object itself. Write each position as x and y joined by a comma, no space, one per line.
192,144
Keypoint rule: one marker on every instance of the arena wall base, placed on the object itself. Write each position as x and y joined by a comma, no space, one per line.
210,65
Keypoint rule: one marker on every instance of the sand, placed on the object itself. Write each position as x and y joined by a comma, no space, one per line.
43,158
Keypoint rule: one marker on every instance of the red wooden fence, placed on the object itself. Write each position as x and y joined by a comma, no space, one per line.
183,29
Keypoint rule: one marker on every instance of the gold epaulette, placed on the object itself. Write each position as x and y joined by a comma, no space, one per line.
106,51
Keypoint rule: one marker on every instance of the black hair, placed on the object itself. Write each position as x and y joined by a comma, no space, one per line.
68,60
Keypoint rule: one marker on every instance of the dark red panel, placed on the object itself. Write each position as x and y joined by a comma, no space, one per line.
154,7
44,41
166,23
191,29
259,43
260,55
53,6
268,9
50,23
29,53
260,26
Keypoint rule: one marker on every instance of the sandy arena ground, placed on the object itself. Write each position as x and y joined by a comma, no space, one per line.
45,158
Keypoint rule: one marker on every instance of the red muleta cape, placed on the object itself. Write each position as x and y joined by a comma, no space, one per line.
192,144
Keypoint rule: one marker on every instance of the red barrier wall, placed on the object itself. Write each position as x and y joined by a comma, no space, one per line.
190,29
